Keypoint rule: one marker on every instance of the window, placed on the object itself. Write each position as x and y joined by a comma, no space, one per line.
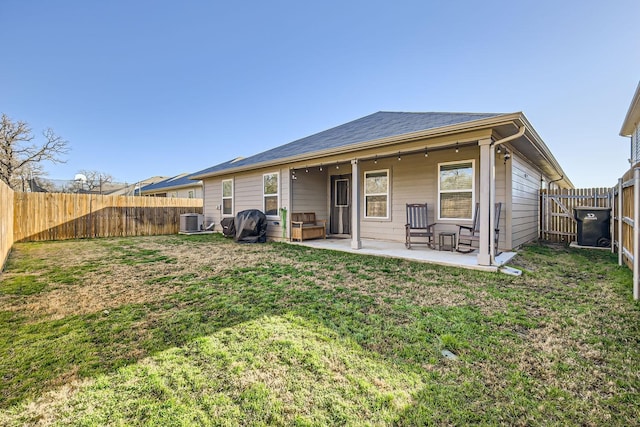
270,193
376,194
456,190
227,197
342,193
191,194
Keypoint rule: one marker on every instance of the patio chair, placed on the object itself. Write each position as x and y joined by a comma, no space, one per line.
418,225
468,235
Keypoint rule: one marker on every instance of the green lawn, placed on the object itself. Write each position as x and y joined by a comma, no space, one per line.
198,330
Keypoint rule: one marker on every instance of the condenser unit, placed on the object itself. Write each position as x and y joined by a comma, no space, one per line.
191,222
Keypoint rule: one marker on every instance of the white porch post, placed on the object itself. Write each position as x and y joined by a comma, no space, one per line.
487,193
356,243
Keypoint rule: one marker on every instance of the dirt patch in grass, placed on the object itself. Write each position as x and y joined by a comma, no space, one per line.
106,283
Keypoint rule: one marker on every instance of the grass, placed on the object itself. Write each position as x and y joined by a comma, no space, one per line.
183,330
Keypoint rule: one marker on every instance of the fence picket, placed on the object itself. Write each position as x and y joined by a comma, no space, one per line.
557,222
48,216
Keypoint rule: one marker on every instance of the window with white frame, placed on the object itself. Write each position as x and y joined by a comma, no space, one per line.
191,195
227,197
456,190
376,194
270,193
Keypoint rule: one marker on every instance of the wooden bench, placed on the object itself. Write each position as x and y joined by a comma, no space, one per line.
305,226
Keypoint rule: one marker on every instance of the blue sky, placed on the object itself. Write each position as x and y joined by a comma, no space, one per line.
142,88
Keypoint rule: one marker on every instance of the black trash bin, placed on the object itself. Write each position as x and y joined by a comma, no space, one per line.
594,226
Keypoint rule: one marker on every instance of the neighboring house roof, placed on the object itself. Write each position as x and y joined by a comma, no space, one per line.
135,186
633,115
173,183
380,125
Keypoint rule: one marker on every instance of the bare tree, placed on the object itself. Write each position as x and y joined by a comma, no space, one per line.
29,176
18,153
95,180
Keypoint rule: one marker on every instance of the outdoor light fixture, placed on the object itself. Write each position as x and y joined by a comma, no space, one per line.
320,167
337,166
507,156
457,149
499,150
426,152
306,169
376,160
399,158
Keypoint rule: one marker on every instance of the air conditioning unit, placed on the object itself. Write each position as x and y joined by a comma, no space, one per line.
191,222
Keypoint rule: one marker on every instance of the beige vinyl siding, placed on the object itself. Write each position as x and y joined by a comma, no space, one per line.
180,192
502,169
635,145
247,194
212,199
525,200
311,193
275,231
413,180
184,192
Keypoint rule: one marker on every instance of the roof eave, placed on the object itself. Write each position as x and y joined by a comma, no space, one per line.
376,143
535,140
633,115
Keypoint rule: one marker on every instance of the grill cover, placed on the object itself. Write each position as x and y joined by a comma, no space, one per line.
228,228
251,226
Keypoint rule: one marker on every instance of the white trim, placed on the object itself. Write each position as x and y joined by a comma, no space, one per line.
473,188
386,194
228,197
277,194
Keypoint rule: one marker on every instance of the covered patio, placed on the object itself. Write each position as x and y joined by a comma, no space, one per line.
419,253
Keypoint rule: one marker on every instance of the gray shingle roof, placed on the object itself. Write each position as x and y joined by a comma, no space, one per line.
382,124
169,183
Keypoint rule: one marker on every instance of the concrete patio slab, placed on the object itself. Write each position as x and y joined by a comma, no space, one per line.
421,253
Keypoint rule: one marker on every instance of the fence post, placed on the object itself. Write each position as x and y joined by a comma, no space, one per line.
612,225
620,215
636,232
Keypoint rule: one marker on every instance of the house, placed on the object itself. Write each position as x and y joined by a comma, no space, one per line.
631,127
178,186
134,188
359,176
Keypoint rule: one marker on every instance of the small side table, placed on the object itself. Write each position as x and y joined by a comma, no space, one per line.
452,241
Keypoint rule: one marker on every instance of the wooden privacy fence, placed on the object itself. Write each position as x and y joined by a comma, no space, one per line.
626,224
61,216
6,222
557,221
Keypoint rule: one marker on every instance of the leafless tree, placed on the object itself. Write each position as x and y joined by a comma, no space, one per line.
19,154
31,177
95,180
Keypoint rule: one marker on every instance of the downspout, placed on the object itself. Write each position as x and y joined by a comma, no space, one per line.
511,137
492,197
555,180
